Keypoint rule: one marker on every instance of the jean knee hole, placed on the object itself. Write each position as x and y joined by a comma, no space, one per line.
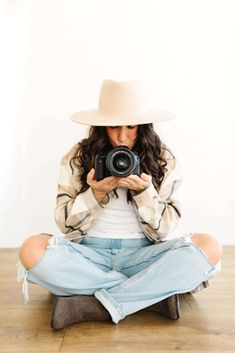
37,263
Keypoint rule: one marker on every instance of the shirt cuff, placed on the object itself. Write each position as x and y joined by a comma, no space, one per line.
147,196
84,202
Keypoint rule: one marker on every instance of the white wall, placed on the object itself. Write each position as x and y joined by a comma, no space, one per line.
56,54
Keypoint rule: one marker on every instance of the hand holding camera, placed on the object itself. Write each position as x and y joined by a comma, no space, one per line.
118,167
135,182
103,187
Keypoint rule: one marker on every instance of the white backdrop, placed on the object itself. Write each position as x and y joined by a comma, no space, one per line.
54,56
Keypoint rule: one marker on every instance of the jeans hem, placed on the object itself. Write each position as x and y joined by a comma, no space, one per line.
110,304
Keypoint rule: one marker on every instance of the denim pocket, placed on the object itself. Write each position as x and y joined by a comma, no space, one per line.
97,257
147,255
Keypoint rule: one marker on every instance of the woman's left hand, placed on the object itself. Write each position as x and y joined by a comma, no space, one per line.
135,182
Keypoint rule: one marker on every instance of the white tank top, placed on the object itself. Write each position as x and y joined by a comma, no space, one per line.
117,219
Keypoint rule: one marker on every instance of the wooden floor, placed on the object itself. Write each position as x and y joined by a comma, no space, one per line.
207,321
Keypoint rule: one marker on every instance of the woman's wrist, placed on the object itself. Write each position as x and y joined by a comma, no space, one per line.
100,196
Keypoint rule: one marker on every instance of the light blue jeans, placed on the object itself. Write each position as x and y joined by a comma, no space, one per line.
125,275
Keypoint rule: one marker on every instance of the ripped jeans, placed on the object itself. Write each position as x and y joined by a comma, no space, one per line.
125,275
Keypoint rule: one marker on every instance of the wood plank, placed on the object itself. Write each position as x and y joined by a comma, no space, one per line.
138,334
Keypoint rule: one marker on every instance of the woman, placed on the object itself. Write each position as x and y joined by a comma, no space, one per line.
113,259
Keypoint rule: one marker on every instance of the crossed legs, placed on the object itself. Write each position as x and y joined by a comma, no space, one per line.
116,299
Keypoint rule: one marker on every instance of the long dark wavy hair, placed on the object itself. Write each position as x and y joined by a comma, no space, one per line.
148,146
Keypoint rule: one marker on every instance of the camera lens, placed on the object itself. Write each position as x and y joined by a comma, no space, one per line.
121,162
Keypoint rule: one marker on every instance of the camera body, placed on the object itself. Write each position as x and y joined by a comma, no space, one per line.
119,162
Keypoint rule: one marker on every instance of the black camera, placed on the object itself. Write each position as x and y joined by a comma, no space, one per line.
119,162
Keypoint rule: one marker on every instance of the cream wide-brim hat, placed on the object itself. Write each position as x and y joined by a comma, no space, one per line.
122,103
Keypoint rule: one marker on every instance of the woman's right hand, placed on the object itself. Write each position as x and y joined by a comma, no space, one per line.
103,187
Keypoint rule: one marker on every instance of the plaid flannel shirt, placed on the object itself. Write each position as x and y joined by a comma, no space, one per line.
157,211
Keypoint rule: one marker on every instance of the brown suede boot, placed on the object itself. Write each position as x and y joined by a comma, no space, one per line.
169,307
78,308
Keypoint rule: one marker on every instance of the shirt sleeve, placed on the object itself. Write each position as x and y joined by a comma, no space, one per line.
74,212
159,212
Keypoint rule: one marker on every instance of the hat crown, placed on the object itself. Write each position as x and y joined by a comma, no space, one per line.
123,98
122,103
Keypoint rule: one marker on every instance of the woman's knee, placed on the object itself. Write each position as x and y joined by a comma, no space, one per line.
32,249
209,245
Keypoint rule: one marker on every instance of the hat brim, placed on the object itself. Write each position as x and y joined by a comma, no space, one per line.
93,117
